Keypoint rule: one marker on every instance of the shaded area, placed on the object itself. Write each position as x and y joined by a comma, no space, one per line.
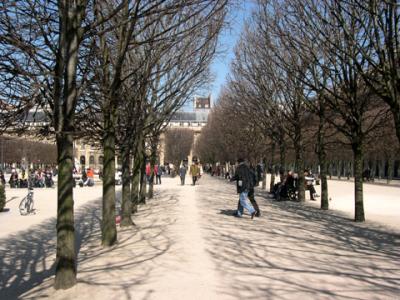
28,258
297,251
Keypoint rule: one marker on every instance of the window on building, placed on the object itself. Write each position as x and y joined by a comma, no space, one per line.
82,160
91,160
100,160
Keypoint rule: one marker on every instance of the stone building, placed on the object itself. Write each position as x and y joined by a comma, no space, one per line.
194,120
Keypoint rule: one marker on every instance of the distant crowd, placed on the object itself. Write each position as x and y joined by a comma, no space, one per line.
34,177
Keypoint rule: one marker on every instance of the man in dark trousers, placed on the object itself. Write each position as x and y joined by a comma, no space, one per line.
244,183
251,195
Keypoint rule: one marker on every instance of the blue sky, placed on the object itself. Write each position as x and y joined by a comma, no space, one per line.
229,37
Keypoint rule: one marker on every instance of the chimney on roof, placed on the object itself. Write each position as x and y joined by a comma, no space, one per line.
202,102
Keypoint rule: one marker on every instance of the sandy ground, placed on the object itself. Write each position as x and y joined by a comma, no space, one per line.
381,202
187,245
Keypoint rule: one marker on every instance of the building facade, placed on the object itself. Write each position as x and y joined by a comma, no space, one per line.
194,120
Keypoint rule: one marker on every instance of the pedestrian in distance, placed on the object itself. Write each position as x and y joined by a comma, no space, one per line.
182,173
13,181
84,178
244,183
149,176
158,172
195,172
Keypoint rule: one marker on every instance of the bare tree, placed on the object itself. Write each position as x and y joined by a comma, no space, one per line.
40,45
320,34
178,143
379,44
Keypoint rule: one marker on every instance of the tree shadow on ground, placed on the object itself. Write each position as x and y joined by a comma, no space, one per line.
298,251
28,258
228,212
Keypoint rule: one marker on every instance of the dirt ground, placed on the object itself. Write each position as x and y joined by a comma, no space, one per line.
187,245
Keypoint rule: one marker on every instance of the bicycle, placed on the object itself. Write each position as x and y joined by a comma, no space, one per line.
26,204
292,194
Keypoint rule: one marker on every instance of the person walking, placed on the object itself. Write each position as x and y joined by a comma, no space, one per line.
148,172
182,173
158,172
195,172
244,184
250,195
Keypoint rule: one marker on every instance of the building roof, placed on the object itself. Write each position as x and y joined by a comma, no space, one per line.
182,116
36,116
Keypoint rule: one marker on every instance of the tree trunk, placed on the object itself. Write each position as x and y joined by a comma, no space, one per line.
330,170
126,213
323,166
352,170
299,164
137,162
381,168
65,258
143,181
272,183
153,157
65,98
150,192
373,170
109,229
390,169
348,167
395,109
282,160
324,186
358,183
264,181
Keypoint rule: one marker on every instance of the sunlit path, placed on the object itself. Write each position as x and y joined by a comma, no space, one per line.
187,245
297,252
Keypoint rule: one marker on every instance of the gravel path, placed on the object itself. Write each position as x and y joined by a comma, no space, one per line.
187,245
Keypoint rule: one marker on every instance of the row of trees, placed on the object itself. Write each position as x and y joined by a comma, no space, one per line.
178,143
112,72
14,149
312,76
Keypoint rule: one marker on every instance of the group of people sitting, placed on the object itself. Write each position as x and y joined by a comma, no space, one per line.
286,189
86,178
34,178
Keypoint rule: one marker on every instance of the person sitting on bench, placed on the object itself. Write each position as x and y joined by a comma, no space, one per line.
309,181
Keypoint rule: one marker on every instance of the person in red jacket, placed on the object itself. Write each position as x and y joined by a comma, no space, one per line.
148,172
90,177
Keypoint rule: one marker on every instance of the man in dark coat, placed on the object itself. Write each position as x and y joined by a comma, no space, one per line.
244,184
251,195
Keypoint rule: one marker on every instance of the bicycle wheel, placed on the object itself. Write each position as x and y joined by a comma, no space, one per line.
30,208
292,195
30,203
22,206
